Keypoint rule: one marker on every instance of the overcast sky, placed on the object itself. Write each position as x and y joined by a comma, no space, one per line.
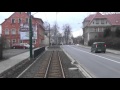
74,19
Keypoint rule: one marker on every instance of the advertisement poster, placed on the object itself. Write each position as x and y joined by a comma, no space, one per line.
24,32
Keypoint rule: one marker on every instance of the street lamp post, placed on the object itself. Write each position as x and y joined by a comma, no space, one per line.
30,35
1,49
56,29
49,35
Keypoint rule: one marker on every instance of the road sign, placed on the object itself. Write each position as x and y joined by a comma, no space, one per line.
24,29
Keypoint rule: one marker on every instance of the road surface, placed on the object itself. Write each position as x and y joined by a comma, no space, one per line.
98,65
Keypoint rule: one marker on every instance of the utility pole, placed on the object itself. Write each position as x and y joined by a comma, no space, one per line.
1,49
49,35
56,29
30,34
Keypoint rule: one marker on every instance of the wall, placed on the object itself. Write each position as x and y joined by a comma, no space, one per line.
46,40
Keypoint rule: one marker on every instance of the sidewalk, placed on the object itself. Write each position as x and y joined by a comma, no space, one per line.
4,65
8,63
107,50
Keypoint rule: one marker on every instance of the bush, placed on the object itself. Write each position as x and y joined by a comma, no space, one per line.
117,32
82,42
95,40
107,32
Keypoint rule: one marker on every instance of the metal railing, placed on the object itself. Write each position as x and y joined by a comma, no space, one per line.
38,51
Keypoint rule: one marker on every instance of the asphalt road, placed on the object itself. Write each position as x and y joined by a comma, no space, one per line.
98,65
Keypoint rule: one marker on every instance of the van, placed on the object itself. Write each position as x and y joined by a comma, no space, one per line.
98,47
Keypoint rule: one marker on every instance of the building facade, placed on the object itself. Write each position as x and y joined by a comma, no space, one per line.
11,29
95,24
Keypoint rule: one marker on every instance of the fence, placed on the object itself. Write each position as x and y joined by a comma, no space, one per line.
38,51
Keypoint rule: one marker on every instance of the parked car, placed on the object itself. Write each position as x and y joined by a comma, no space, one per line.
18,46
21,46
26,45
98,47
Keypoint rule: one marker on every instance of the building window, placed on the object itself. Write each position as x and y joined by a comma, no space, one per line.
95,36
102,21
97,21
19,20
100,29
13,31
27,20
13,41
93,22
6,32
21,41
13,20
34,41
96,29
106,22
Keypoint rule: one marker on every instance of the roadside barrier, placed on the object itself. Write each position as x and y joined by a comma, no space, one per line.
38,51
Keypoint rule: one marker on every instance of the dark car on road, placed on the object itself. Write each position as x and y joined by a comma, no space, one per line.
98,47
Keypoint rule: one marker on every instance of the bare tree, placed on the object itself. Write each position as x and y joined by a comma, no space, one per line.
55,32
67,32
47,27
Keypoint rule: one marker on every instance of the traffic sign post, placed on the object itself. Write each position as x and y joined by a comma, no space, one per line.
1,49
30,35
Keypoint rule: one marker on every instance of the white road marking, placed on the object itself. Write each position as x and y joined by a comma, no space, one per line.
112,56
97,55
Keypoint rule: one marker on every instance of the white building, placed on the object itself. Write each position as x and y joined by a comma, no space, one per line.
95,24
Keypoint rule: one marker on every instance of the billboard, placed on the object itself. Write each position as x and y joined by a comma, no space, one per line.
24,32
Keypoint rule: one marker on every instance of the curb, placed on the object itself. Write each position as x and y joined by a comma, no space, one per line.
113,52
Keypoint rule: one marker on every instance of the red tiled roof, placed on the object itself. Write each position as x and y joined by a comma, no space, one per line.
89,18
114,19
98,15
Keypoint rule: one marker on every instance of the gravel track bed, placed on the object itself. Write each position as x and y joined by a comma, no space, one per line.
35,68
39,68
55,70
